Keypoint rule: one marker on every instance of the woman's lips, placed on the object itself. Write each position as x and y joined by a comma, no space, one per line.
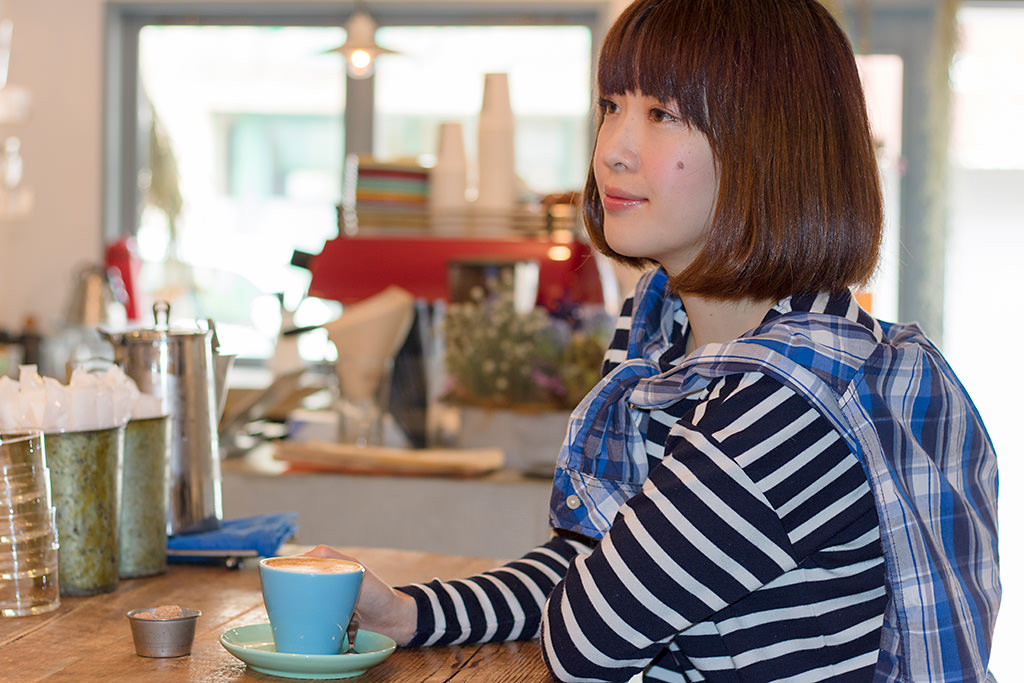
620,200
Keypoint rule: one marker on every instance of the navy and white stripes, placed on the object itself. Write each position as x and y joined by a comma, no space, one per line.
754,562
502,604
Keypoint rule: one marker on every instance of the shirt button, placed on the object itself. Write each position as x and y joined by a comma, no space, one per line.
573,502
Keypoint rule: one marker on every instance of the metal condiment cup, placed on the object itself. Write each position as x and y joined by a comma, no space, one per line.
163,637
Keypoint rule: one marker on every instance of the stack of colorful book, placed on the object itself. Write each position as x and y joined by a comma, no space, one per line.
391,193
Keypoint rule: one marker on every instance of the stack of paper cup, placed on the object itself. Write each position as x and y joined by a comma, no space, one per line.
448,181
28,528
496,158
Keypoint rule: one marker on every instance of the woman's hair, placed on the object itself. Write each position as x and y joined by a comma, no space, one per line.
773,86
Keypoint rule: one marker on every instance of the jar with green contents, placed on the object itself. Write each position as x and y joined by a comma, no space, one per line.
85,476
143,547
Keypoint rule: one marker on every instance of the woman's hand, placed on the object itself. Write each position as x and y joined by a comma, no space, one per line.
380,607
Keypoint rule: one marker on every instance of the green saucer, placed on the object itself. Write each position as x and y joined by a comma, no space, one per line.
254,645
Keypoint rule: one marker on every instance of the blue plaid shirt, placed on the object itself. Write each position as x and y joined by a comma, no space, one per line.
899,407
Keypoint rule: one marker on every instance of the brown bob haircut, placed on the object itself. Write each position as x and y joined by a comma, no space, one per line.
773,86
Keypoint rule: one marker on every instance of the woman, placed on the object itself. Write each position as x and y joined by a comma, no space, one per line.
767,484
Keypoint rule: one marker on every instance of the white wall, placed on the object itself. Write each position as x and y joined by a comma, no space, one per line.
57,54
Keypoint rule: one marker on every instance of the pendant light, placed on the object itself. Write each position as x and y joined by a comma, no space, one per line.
360,49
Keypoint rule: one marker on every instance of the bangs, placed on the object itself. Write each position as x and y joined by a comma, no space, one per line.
652,51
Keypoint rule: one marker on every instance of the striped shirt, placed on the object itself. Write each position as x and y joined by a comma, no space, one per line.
739,538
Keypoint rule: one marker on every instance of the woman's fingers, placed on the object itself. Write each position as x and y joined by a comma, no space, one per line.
327,551
351,631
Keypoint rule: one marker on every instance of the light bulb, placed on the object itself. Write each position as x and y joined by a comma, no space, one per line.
559,252
360,64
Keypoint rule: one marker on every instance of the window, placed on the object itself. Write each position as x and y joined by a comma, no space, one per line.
251,124
247,118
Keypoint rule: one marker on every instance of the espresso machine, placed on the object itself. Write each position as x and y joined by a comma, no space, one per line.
351,268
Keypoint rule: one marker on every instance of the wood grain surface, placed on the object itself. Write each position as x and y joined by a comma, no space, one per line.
89,639
381,460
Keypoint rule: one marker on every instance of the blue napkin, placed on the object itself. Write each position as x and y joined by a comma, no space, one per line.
262,533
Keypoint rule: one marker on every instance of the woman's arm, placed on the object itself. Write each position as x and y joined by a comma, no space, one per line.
502,604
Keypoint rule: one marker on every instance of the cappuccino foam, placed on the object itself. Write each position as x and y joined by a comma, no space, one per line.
312,565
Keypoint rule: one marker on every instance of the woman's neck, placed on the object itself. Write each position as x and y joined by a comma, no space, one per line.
715,321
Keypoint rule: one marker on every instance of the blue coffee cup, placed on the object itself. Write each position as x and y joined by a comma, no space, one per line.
309,601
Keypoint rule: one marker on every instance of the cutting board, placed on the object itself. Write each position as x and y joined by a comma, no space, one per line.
348,458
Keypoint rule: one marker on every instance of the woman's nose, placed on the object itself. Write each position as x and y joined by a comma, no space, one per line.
616,145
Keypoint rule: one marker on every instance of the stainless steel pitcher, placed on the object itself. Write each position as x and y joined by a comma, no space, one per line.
184,369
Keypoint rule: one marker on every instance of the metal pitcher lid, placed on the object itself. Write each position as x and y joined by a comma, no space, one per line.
161,327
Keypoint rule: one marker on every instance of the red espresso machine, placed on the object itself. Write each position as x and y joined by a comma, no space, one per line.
351,268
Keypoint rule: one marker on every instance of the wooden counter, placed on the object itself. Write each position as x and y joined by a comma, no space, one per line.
89,639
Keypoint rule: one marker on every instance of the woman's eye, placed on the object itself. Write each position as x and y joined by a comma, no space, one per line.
660,116
607,106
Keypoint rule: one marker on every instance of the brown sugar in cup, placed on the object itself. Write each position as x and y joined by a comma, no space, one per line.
165,631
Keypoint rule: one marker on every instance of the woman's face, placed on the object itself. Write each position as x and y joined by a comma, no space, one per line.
657,180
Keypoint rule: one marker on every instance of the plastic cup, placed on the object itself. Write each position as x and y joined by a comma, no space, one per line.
29,580
29,545
26,503
364,386
29,557
22,448
13,472
34,561
23,471
18,526
31,551
14,491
